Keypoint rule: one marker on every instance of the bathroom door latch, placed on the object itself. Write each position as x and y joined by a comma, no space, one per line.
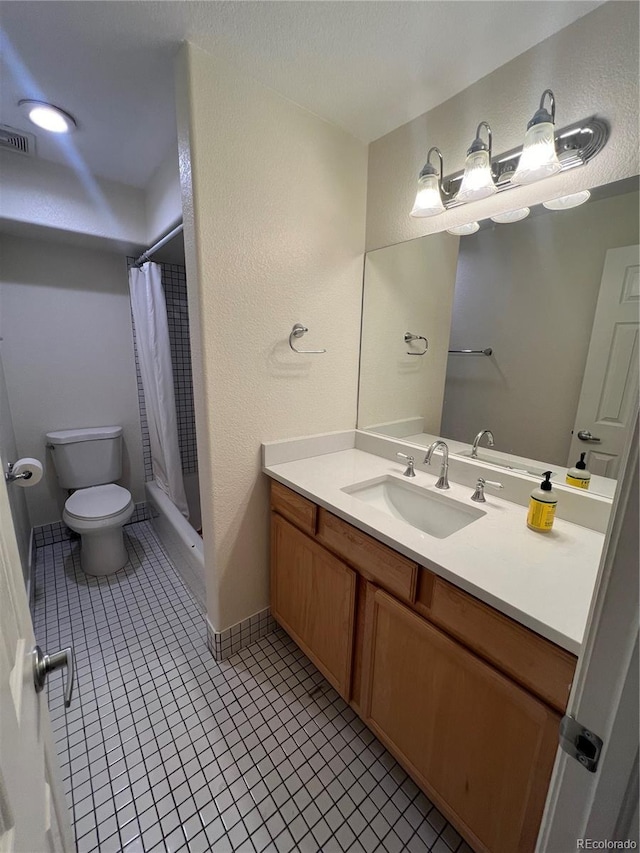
580,743
585,435
44,664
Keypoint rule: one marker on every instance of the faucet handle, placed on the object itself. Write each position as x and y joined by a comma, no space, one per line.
410,472
478,495
493,483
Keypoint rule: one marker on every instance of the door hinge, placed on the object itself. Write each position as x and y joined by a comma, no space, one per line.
580,743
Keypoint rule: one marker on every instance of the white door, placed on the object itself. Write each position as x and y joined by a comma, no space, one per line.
33,812
609,393
592,810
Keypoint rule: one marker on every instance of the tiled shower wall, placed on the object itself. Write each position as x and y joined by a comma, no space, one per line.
174,284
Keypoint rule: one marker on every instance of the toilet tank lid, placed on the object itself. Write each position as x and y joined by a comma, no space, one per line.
68,436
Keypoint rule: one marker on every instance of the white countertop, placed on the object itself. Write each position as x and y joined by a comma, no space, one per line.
545,581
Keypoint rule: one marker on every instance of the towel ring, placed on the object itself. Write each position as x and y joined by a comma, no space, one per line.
408,337
297,332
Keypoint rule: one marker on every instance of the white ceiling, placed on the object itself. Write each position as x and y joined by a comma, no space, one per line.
368,66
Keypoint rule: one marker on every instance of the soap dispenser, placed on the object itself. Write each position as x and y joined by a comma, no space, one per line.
542,506
579,476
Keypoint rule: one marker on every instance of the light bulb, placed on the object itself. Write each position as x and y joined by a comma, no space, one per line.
539,159
477,181
464,230
428,200
565,202
48,117
511,215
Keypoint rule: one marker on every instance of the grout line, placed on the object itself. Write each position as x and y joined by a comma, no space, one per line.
159,727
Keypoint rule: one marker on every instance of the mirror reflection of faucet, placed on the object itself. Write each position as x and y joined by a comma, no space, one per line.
477,439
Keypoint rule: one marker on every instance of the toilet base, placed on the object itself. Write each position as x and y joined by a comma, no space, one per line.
103,552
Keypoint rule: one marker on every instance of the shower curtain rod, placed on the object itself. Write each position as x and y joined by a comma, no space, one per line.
144,257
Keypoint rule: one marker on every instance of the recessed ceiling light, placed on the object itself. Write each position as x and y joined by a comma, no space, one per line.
48,117
463,230
511,215
567,201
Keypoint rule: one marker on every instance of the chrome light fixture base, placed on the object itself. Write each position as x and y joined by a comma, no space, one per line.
576,145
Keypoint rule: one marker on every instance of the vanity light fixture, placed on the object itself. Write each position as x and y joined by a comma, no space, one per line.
539,158
545,152
48,117
464,230
428,198
477,181
565,202
511,215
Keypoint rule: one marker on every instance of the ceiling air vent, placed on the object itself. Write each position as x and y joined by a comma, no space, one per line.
17,140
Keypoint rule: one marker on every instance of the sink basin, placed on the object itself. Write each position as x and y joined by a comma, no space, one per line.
431,512
509,464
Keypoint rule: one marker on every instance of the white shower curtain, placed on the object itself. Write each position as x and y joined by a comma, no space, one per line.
154,355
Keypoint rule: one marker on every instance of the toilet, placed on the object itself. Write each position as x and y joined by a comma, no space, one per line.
88,461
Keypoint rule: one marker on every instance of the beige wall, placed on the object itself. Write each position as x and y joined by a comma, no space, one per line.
274,234
49,195
163,199
408,287
529,290
67,355
592,67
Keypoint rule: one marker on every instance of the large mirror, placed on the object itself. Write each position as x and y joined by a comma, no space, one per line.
549,308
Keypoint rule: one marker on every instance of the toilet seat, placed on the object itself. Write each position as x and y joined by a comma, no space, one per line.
98,503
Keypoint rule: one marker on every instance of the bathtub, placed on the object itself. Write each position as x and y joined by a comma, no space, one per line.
179,539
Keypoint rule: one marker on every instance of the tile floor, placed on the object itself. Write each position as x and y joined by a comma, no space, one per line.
165,749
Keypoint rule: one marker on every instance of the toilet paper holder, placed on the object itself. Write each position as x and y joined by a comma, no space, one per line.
10,476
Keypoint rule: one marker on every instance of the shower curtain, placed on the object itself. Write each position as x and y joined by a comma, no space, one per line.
152,343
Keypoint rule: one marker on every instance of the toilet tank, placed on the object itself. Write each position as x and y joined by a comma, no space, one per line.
86,457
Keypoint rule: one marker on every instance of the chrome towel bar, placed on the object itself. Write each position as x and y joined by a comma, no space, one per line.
297,332
409,337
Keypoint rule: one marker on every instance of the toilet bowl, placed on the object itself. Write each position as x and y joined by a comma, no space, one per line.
98,514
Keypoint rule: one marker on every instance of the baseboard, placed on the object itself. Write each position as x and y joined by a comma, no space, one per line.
224,644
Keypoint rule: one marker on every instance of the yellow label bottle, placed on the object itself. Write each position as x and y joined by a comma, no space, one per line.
542,506
578,476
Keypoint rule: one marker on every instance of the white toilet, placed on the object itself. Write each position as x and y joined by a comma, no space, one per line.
88,461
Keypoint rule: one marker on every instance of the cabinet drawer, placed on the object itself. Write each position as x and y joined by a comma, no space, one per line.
374,560
294,507
537,664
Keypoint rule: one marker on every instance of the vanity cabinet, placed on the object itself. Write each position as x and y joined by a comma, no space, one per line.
466,699
313,598
478,744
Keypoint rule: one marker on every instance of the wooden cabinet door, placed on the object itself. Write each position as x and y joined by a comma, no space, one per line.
481,746
313,598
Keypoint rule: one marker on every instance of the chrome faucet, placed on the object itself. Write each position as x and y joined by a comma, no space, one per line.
443,481
410,471
477,439
478,495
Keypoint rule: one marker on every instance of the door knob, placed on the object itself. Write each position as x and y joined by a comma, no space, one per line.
44,664
585,435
